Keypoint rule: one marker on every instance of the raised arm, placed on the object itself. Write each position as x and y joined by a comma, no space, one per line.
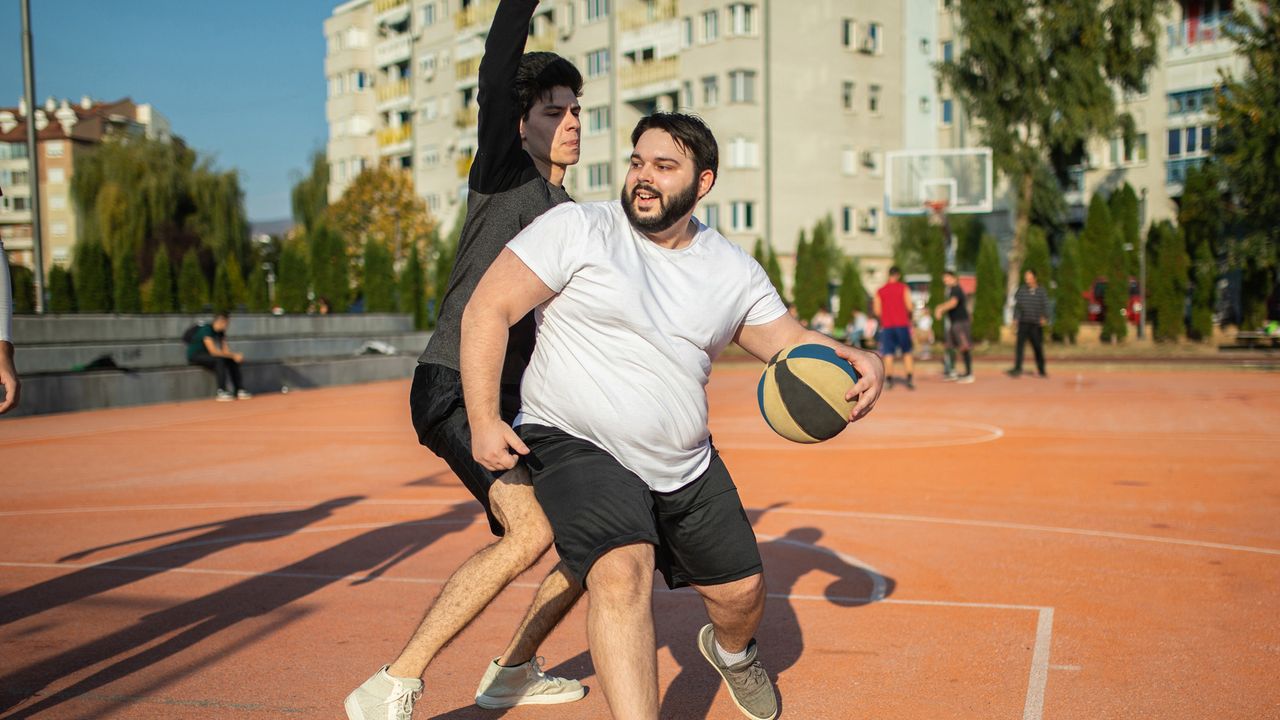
506,293
500,157
764,341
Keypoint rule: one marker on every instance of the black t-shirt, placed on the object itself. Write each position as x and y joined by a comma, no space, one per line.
197,348
960,312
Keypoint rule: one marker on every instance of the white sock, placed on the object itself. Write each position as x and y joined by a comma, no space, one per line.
729,658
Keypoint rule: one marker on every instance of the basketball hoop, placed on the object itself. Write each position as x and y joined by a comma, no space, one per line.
937,210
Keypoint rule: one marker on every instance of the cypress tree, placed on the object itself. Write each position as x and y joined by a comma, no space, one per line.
802,285
222,300
161,298
259,294
127,286
1038,255
774,270
853,296
988,306
1123,204
92,274
1115,303
62,298
1168,284
935,258
1069,305
1096,240
193,289
758,252
238,291
294,277
413,291
23,285
330,268
379,278
443,269
1205,273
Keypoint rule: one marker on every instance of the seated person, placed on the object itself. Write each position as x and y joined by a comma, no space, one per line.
208,349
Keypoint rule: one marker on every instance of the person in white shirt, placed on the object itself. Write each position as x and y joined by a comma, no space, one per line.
636,298
8,373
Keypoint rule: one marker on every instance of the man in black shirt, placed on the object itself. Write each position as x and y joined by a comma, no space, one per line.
959,336
528,134
208,348
1031,311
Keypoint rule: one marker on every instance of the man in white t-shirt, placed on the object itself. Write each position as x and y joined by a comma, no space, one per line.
636,300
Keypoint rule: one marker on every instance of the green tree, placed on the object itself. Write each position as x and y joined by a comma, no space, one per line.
330,268
92,273
911,243
1201,218
1167,285
259,299
1069,305
853,294
1038,255
161,297
125,283
1202,298
1115,301
62,298
1041,77
935,264
294,277
1096,239
379,280
774,270
310,194
413,289
23,285
229,290
1248,148
988,303
193,289
1124,206
966,233
805,295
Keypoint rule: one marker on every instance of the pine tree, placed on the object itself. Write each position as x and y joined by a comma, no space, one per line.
1095,240
1205,272
1123,204
853,295
1168,284
222,300
62,297
1069,304
259,293
23,285
1115,302
239,291
379,279
92,274
294,277
1038,256
193,289
819,272
1200,215
801,286
413,290
759,253
988,305
311,194
161,297
125,282
774,270
330,268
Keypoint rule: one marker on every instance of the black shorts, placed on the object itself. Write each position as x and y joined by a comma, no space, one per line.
440,418
700,532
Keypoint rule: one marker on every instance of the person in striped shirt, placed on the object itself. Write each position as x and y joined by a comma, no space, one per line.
1031,312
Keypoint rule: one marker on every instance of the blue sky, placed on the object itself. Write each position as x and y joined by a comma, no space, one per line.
241,80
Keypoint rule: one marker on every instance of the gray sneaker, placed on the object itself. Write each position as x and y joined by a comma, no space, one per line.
748,683
383,697
504,687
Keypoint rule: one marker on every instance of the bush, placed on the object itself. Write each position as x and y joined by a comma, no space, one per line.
62,297
161,298
126,283
989,300
1069,305
1167,283
193,289
23,282
92,274
1096,240
1115,301
229,291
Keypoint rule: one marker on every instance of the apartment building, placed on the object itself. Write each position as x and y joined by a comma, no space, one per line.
64,131
805,98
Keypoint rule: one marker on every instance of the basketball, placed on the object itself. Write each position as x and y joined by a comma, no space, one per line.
802,391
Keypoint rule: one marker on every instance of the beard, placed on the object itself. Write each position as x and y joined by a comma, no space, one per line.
671,209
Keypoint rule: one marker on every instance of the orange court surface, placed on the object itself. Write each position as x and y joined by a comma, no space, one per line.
1101,544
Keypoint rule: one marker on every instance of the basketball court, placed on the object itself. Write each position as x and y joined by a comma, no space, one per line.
1102,544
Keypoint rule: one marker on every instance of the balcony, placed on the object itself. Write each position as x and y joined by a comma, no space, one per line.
1175,172
648,13
468,69
644,79
395,139
476,17
463,165
390,12
466,117
390,52
396,91
1205,36
546,42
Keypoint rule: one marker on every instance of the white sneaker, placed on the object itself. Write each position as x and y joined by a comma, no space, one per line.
383,697
965,379
224,396
243,394
504,687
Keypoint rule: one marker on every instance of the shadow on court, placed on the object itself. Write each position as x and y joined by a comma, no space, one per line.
166,633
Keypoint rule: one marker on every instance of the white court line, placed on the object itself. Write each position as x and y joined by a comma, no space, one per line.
1032,528
220,506
854,444
1034,708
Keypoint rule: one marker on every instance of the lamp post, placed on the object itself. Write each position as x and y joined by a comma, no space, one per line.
1142,264
29,81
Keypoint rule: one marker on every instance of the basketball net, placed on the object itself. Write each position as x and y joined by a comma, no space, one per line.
938,218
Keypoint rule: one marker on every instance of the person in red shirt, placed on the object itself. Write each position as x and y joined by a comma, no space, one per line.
892,306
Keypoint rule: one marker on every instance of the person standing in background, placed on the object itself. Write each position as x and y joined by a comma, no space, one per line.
893,307
1031,311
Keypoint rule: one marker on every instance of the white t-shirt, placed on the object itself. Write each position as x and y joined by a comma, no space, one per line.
624,349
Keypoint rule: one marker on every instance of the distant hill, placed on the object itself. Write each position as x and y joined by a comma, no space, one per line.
270,227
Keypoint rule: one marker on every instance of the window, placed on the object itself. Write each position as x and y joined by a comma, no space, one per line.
598,176
58,202
948,112
358,81
1190,101
948,51
871,221
1133,154
873,37
57,176
599,119
925,104
846,219
686,33
1206,138
427,66
742,19
873,99
598,63
711,215
924,46
21,204
743,153
14,177
59,229
1192,136
1175,143
710,26
846,94
430,109
54,148
710,91
12,151
849,33
742,86
742,216
849,161
431,156
433,202
597,9
686,94
429,14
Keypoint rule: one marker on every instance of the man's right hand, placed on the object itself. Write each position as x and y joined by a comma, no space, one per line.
496,446
8,378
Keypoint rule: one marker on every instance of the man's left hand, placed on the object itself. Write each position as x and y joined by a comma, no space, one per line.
8,378
870,382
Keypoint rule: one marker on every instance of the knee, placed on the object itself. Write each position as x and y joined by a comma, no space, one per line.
623,574
528,533
744,594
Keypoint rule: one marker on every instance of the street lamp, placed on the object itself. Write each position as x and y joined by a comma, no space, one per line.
1142,264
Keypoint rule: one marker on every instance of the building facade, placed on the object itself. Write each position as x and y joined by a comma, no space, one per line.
64,131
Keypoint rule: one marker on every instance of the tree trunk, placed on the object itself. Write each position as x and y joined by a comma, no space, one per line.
1021,224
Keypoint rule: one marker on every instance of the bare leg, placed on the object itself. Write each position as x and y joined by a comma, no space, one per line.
479,580
888,367
556,596
620,631
735,609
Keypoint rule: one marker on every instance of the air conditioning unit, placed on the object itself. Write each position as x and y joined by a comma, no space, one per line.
868,45
868,159
564,19
867,222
